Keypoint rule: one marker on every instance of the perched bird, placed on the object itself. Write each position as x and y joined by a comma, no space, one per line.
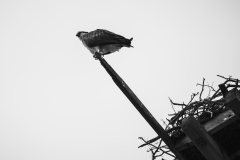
103,42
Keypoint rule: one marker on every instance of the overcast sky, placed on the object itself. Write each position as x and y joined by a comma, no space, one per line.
58,103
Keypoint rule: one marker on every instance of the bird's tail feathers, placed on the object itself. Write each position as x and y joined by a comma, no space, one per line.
130,42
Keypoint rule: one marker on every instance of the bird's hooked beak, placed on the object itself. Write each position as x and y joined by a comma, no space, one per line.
79,34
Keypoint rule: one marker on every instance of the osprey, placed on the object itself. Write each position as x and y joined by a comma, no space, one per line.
103,42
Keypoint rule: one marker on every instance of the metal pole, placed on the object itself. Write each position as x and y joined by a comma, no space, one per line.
140,107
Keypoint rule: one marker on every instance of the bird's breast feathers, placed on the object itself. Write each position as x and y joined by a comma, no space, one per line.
105,49
110,48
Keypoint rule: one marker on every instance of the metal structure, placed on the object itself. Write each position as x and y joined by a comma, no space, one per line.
139,106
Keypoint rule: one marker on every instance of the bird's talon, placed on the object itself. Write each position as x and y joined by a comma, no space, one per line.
94,56
97,56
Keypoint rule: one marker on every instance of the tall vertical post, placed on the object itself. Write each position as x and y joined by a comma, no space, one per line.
140,107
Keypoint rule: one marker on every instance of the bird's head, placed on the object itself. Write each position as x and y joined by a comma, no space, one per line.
81,33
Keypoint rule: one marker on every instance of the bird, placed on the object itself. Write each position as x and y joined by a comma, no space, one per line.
102,42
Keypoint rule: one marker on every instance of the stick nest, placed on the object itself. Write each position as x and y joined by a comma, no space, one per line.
203,109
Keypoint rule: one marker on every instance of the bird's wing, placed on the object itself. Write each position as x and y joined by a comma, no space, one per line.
102,37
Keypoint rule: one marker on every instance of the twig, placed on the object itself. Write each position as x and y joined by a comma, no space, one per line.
172,105
192,97
149,141
200,97
177,104
222,77
206,86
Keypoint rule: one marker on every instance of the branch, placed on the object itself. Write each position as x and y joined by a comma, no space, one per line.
230,79
149,141
200,97
206,86
192,97
172,105
177,104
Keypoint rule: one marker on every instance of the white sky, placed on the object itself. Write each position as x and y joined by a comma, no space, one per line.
57,102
